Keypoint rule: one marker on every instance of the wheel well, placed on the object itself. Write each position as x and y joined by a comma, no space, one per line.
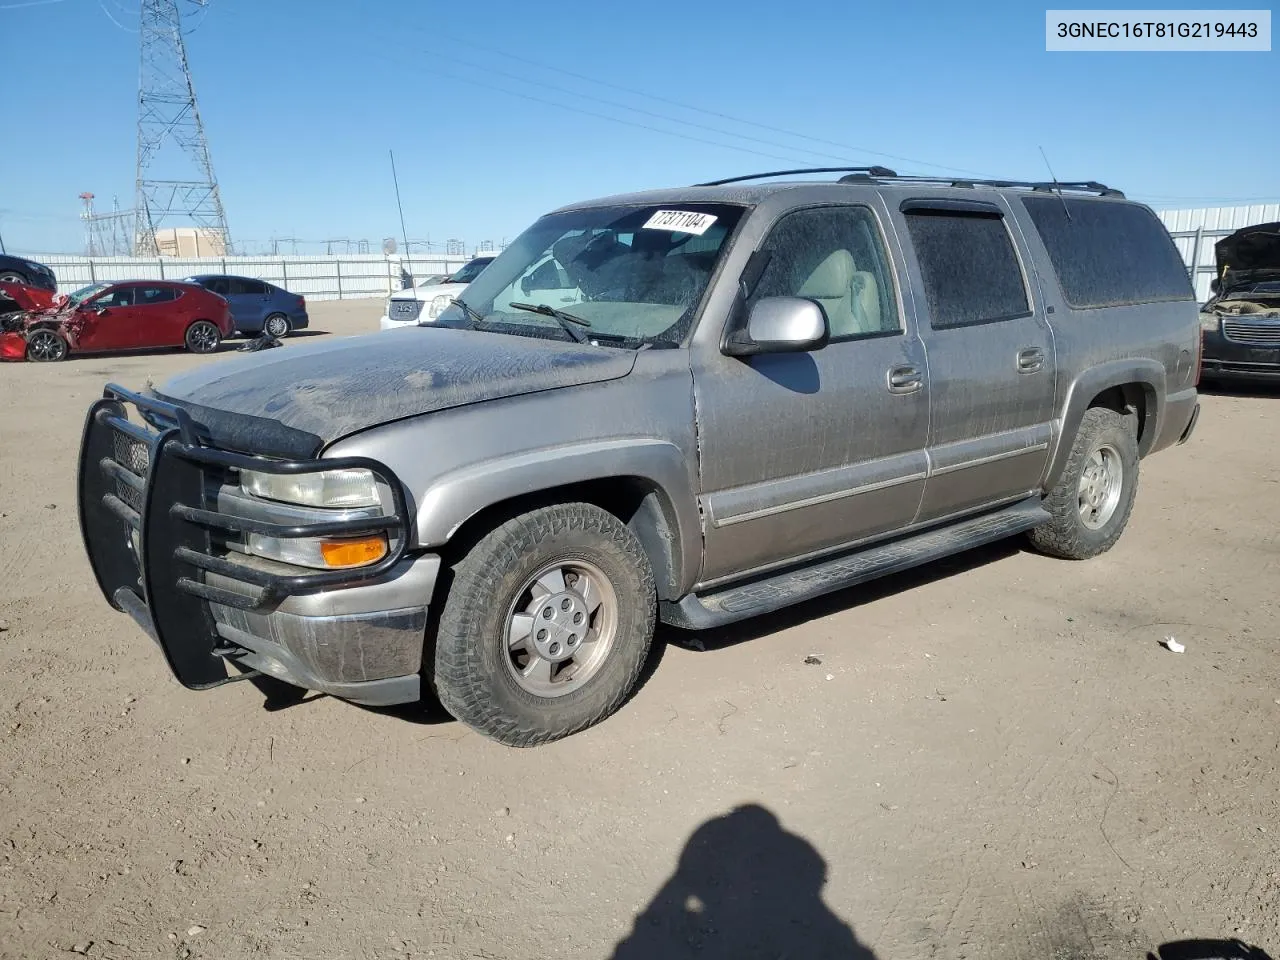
1137,399
636,501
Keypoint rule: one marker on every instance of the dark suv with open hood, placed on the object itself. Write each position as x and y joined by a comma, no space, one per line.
1241,323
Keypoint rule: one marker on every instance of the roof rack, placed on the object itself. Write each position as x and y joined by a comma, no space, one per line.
885,175
867,173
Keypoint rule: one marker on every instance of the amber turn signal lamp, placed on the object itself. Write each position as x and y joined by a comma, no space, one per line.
353,552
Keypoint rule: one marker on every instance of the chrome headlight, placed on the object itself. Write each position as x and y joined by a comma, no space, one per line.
439,305
335,489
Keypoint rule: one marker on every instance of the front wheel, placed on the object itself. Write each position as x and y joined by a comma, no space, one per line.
45,346
276,325
547,625
203,337
1092,500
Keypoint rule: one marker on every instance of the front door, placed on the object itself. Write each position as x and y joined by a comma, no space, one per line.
109,322
805,452
990,354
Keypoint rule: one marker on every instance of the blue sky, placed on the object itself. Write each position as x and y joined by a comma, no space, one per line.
303,98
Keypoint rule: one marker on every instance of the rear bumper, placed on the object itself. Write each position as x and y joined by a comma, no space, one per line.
150,527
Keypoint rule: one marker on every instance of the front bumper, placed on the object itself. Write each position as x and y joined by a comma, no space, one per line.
1227,359
156,540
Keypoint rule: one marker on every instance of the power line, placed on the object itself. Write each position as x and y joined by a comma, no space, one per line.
703,110
601,116
640,110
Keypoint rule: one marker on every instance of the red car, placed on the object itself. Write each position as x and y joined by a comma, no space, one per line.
128,315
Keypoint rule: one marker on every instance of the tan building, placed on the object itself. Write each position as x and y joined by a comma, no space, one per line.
190,242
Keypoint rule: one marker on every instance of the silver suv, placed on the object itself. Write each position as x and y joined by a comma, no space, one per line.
691,405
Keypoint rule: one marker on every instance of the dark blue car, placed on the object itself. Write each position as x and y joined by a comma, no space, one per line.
257,306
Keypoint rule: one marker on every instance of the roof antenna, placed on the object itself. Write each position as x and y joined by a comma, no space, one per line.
1056,184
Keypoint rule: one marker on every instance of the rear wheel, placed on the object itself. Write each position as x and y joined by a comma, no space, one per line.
546,626
203,337
1092,500
11,276
276,325
45,346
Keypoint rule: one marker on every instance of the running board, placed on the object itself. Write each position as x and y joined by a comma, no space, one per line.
741,601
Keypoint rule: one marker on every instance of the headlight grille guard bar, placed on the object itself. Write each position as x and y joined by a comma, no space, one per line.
183,440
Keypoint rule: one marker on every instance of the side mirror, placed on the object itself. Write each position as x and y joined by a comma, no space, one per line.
781,325
1215,285
526,284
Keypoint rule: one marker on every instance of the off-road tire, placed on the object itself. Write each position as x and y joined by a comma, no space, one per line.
57,346
281,324
203,337
1066,535
470,673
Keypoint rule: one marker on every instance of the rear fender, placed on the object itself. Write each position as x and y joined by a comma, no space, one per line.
1149,374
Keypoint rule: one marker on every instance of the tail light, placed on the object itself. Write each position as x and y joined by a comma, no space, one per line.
302,302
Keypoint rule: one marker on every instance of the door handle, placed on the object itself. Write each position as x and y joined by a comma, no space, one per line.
1030,360
905,380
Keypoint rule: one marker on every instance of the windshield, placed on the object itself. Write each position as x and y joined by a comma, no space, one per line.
623,273
470,270
84,293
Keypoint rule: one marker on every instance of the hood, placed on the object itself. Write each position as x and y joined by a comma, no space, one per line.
1248,256
429,293
330,390
27,298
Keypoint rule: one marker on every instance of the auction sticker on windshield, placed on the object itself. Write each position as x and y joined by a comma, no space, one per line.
680,221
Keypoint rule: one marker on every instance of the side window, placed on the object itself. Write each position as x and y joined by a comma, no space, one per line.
219,285
149,295
119,297
1107,252
834,256
549,276
253,287
968,267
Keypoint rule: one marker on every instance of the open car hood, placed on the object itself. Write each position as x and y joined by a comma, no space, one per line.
319,393
1248,256
27,298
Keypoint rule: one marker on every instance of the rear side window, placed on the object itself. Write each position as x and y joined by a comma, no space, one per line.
1108,253
968,267
247,287
149,295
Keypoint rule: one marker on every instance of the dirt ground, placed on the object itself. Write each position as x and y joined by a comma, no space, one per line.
995,757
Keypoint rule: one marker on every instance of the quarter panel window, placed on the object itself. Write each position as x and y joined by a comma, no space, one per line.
1107,253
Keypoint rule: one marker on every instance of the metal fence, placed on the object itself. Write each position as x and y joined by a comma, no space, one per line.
376,275
316,278
1195,232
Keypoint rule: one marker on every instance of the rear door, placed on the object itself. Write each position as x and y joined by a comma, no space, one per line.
249,301
158,322
110,322
989,350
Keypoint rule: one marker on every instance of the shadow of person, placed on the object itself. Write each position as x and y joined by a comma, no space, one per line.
1207,950
744,888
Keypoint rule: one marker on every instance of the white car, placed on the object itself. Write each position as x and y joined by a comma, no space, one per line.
406,307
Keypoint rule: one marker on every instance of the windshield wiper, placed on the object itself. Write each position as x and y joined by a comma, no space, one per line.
471,313
566,320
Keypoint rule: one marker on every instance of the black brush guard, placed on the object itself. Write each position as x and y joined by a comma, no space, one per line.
135,482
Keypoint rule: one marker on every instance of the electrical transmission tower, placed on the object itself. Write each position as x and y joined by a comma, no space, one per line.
168,116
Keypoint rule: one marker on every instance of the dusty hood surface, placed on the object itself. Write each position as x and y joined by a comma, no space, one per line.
1248,256
330,390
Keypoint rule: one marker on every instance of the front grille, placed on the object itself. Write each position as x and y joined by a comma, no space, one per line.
405,309
1263,333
